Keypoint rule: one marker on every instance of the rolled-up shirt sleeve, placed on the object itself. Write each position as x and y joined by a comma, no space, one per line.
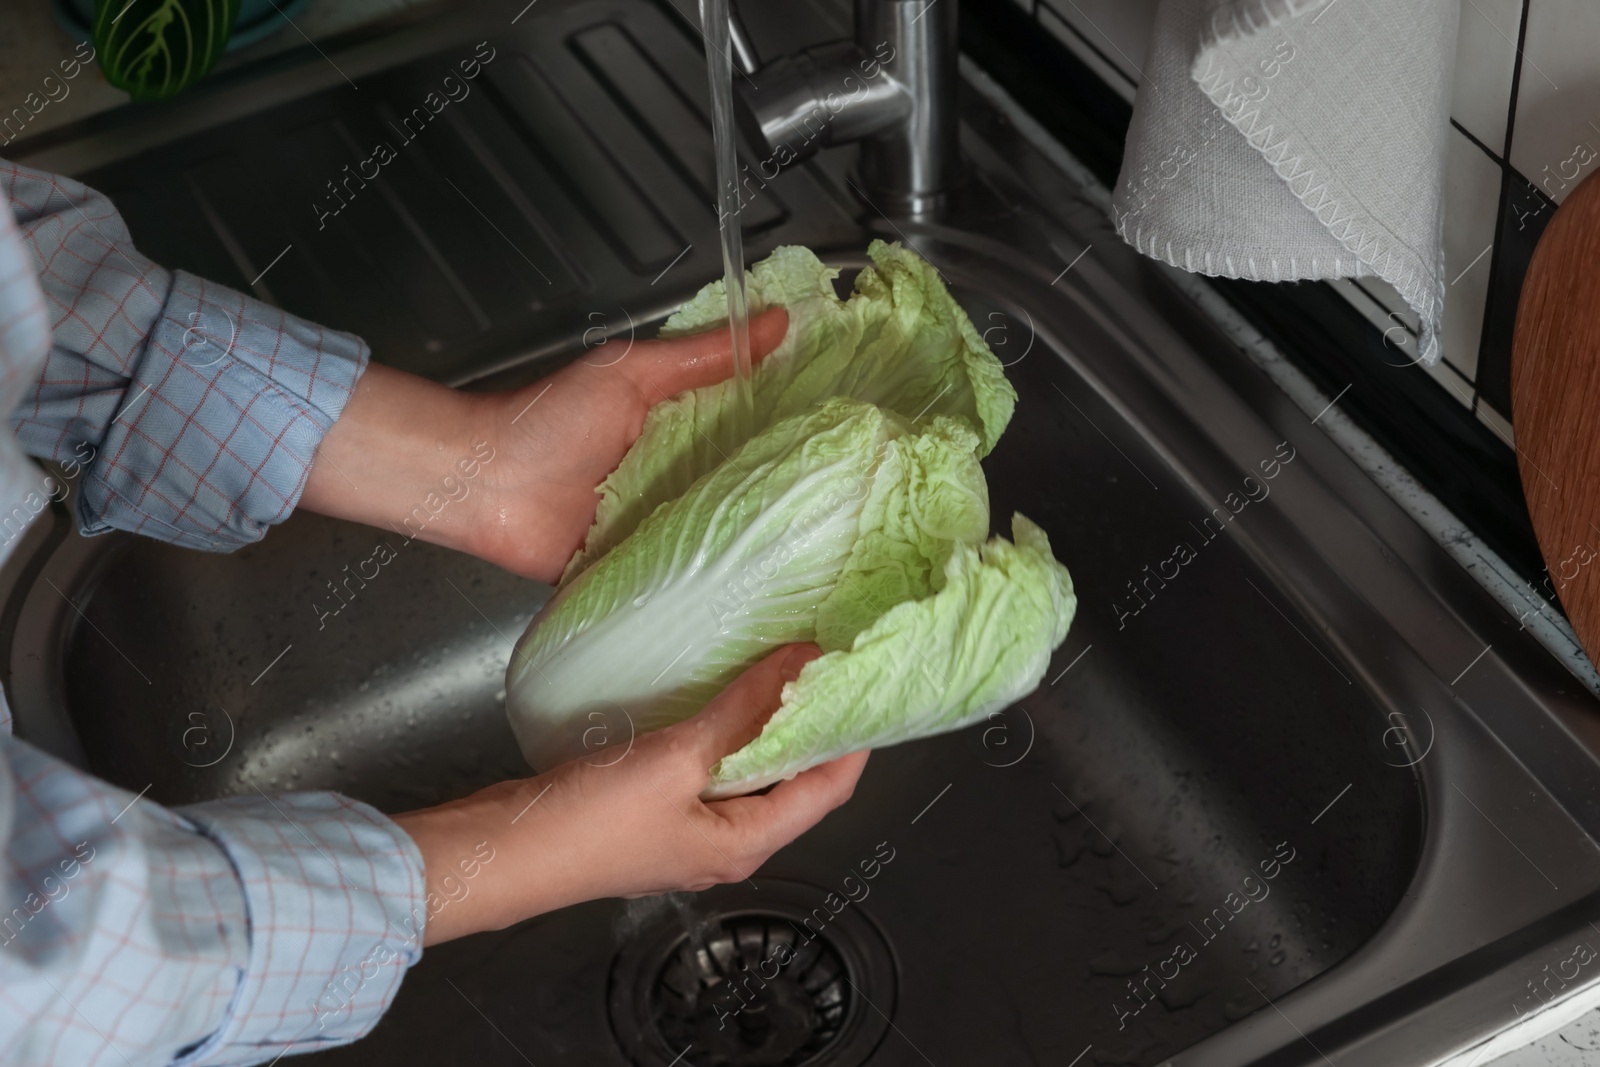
201,408
229,932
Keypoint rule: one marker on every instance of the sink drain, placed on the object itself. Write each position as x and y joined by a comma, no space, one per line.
749,994
754,978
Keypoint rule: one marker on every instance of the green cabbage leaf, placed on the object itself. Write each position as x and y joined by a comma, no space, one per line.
900,342
851,511
926,666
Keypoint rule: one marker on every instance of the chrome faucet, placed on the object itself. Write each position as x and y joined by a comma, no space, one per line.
892,89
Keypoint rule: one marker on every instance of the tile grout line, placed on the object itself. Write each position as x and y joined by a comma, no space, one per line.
1472,137
1355,283
1507,171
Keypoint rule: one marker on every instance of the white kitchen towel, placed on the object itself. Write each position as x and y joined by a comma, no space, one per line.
1283,140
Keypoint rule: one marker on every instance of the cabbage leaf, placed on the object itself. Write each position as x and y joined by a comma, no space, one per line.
924,667
849,509
808,533
900,342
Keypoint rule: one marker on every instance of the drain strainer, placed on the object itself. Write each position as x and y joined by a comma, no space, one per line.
754,978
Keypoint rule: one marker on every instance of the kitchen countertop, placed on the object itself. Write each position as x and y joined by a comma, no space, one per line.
1575,1045
1572,1046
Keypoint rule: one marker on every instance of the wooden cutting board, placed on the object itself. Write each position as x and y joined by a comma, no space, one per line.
1555,404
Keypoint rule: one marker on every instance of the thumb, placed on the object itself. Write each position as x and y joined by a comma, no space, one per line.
673,366
738,713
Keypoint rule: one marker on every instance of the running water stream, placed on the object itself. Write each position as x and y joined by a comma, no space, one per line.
719,73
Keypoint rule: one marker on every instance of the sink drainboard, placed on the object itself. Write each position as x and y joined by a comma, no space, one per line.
754,979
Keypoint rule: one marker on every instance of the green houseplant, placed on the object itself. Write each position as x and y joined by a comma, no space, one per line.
155,49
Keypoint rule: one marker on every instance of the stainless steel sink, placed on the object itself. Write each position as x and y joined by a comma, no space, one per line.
1287,751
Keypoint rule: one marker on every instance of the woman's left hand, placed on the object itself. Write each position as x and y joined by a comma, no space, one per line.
633,825
508,477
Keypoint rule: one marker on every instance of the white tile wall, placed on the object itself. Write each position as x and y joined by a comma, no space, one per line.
1486,59
1525,110
1558,101
1471,202
1485,63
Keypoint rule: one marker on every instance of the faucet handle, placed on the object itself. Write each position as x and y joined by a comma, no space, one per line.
744,50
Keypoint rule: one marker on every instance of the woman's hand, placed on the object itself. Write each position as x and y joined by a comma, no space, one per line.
623,826
507,477
574,428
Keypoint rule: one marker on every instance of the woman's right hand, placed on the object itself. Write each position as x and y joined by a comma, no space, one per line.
631,827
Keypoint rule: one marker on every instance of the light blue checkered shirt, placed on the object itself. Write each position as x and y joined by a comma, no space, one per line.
228,932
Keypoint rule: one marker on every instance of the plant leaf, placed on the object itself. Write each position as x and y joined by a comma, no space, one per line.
155,49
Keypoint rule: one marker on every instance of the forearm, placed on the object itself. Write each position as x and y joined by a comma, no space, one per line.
407,455
515,477
491,829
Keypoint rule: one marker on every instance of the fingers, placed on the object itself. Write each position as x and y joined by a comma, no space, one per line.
770,821
743,832
665,368
736,716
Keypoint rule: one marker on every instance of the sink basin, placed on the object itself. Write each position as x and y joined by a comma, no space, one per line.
1256,813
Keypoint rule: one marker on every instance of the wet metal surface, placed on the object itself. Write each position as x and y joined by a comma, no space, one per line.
1257,812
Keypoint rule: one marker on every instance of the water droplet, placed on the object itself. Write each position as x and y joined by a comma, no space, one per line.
1239,1007
1176,999
1068,850
1277,958
1164,933
1277,939
1121,896
641,600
